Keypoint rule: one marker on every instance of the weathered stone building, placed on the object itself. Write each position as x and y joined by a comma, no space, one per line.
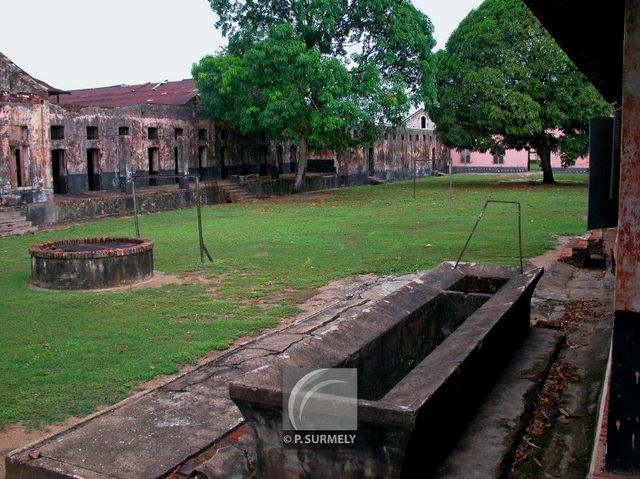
55,143
25,174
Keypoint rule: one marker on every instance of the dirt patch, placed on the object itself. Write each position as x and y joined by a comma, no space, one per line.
158,280
14,436
548,259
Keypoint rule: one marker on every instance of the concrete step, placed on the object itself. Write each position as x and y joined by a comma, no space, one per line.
20,231
374,180
486,448
14,223
9,225
235,192
10,214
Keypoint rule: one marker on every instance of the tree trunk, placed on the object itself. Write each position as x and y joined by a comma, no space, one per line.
545,162
298,186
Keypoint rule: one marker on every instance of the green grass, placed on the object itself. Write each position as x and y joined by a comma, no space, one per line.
67,353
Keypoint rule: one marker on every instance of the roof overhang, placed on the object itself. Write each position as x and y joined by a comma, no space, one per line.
592,35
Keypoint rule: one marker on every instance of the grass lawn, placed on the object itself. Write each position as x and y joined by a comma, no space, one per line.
67,353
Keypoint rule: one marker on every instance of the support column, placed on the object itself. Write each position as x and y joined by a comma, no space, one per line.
623,430
40,174
183,162
125,164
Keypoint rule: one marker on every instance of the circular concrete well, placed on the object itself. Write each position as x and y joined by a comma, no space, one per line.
91,263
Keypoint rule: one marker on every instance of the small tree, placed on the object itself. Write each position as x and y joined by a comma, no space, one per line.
504,83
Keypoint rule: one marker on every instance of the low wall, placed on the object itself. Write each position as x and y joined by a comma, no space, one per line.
264,187
68,210
488,169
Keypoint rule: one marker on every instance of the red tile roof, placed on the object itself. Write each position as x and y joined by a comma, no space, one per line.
163,93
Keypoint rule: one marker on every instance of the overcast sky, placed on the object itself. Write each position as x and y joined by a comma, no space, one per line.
73,44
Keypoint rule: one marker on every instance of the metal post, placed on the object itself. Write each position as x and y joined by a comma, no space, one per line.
475,226
203,248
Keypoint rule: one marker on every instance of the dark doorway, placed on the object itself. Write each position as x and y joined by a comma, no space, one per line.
153,166
176,166
93,176
279,157
243,163
262,158
371,162
224,169
58,170
18,169
433,159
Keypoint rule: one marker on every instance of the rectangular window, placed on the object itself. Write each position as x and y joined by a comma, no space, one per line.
123,131
223,134
177,132
24,133
202,134
498,159
465,156
92,133
152,133
57,132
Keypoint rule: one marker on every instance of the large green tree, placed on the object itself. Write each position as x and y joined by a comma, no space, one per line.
392,35
292,93
504,83
318,73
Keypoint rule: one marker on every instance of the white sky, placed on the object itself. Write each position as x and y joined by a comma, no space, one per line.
73,44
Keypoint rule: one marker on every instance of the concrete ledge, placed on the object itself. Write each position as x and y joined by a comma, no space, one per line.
418,386
488,444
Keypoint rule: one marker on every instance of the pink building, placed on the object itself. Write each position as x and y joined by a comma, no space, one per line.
513,161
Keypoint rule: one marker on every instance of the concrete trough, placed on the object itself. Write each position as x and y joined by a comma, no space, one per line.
426,355
91,263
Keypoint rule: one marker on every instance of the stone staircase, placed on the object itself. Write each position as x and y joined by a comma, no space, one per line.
236,193
14,223
374,180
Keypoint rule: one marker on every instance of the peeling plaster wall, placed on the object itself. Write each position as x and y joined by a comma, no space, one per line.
627,297
24,123
396,151
187,142
123,154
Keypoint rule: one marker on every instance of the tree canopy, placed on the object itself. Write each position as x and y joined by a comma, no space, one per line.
318,73
393,35
504,83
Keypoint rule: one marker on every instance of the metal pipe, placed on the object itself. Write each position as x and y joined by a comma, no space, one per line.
475,226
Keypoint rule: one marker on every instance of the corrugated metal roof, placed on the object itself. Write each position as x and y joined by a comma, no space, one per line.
162,93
